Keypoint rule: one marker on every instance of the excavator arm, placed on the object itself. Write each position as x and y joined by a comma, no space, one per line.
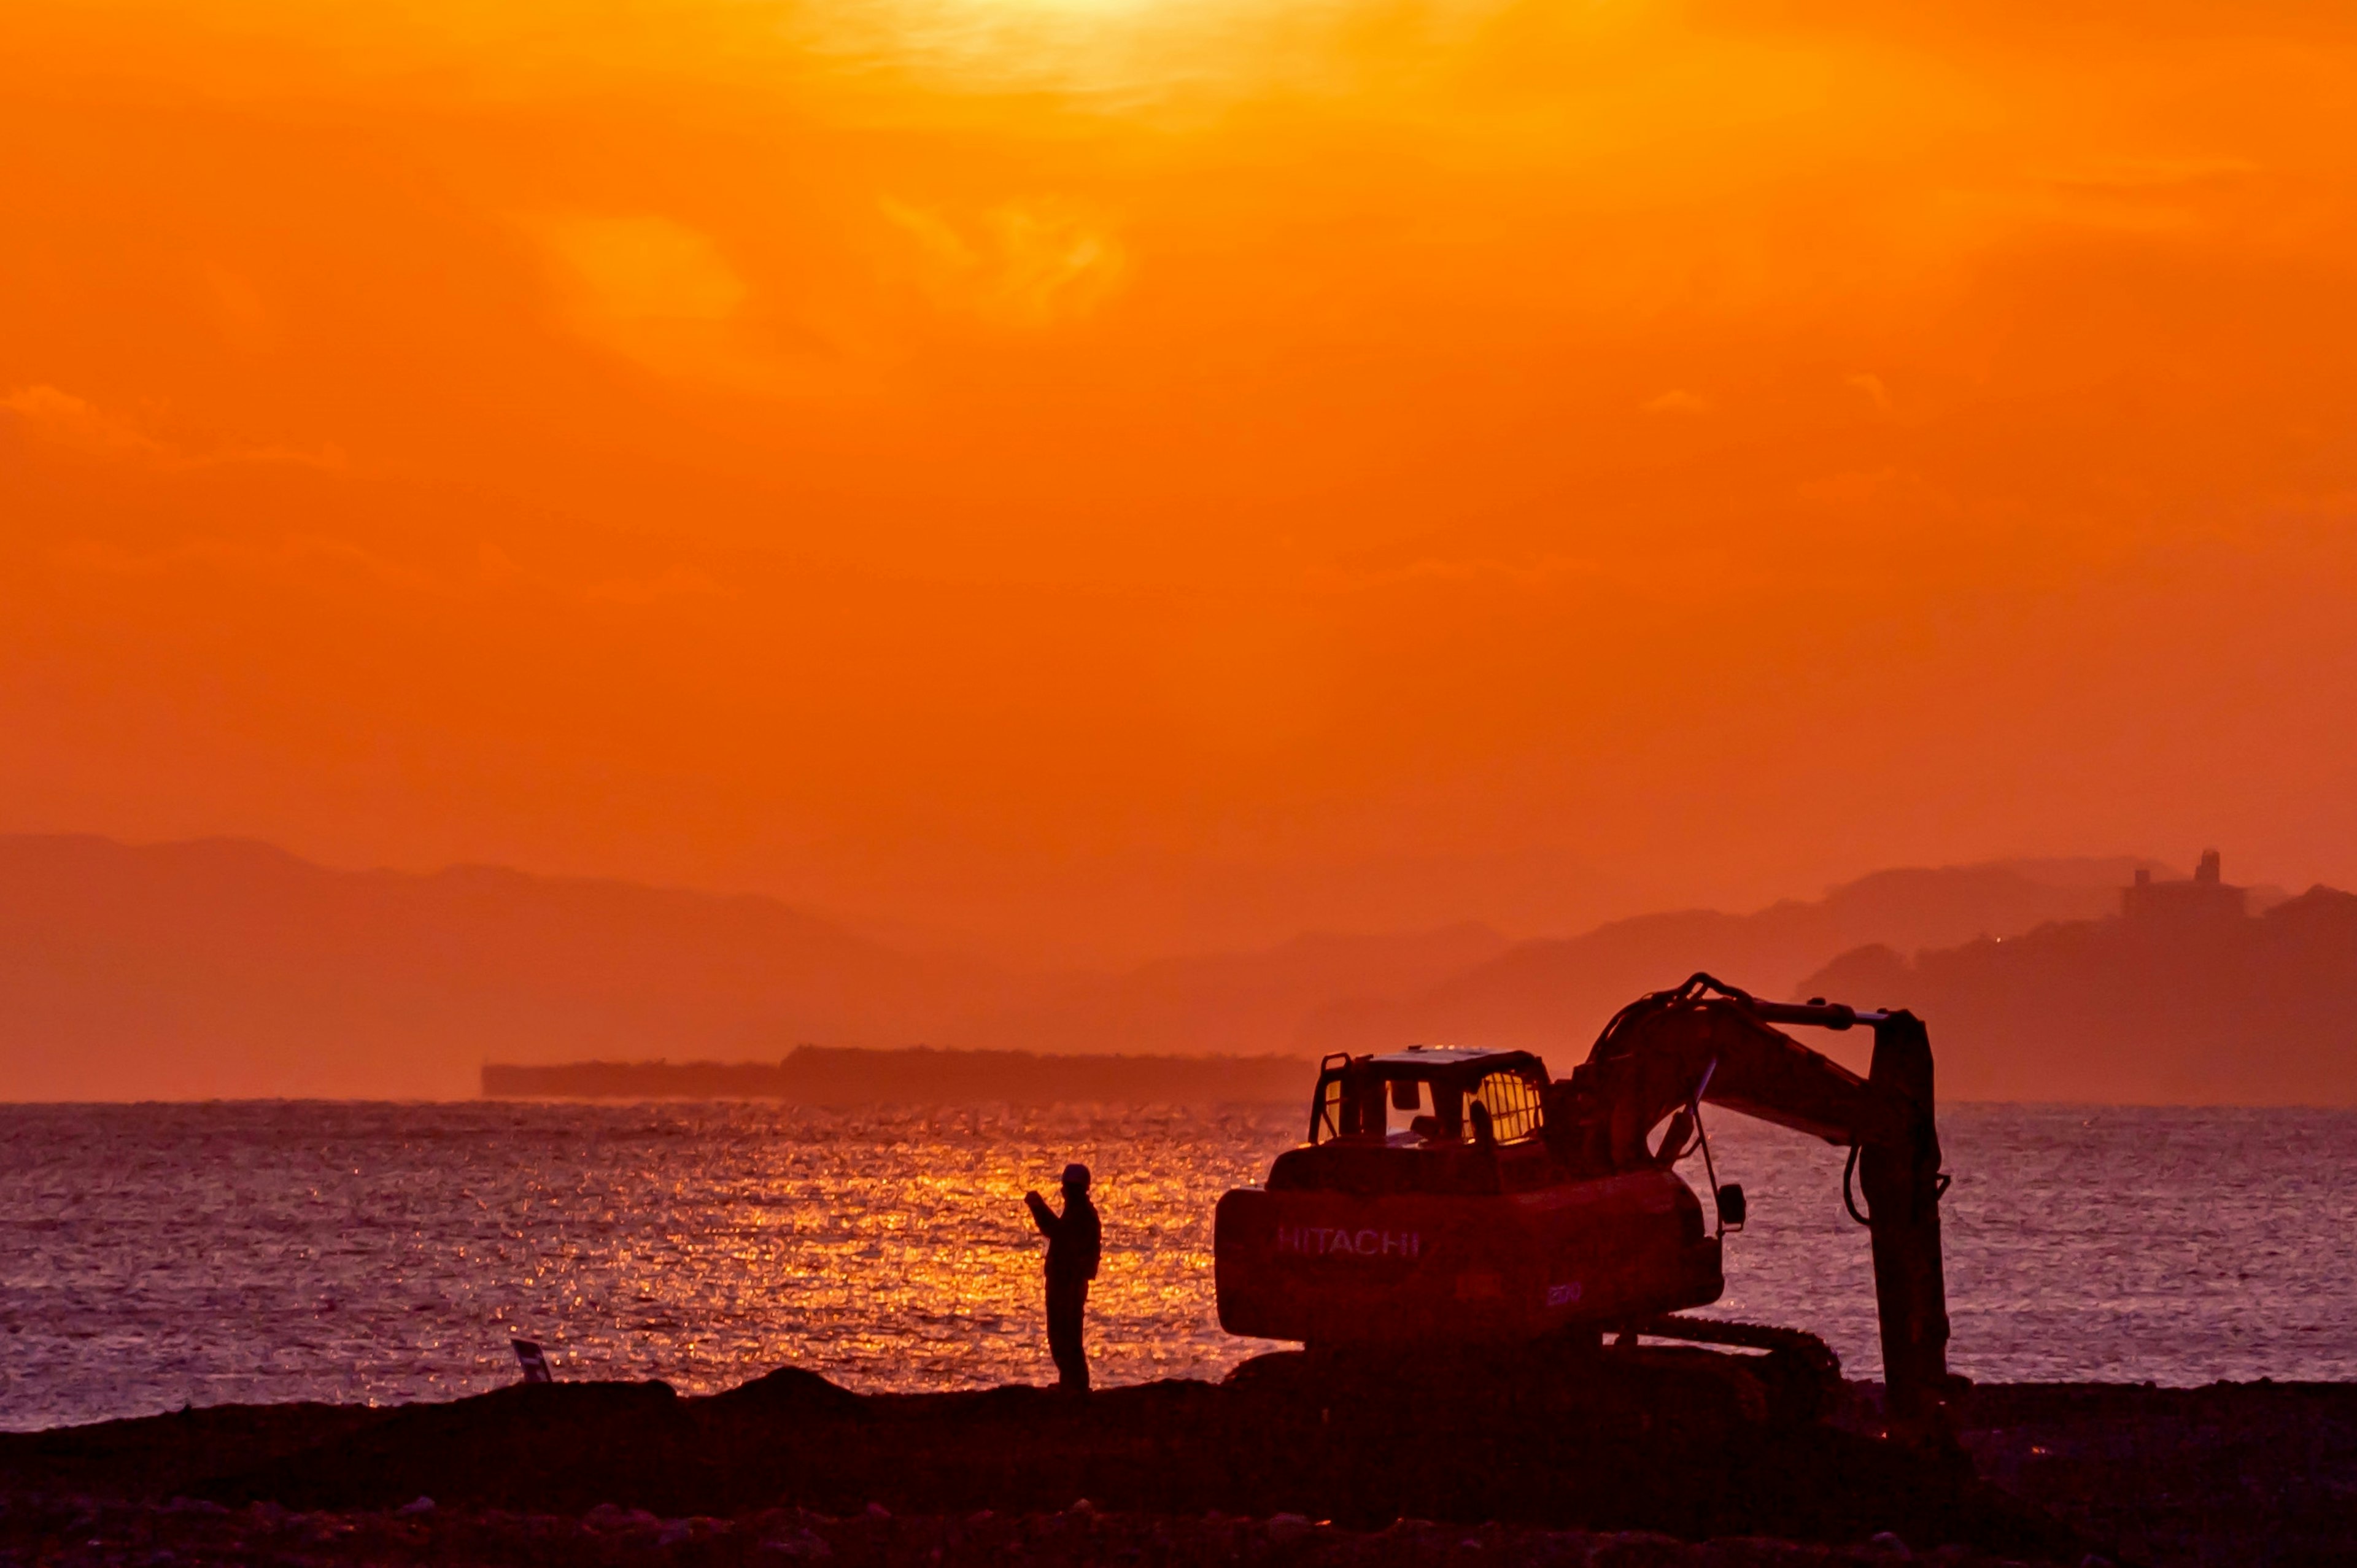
1705,1042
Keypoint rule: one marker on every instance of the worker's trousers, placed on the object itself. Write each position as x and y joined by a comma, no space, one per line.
1068,1304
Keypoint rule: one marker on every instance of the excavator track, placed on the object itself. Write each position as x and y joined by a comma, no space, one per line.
1814,1352
1799,1374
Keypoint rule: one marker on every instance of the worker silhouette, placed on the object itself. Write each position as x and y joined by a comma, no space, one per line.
1073,1238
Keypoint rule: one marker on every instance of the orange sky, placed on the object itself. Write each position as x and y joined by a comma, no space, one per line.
1093,476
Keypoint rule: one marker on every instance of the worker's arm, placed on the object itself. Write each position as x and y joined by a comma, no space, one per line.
1042,1216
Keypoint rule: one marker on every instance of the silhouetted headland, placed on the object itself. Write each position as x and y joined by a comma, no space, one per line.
826,1075
2183,995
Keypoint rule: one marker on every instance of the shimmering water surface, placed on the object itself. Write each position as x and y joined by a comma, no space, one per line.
154,1256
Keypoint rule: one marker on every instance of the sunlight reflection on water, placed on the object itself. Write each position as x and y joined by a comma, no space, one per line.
163,1254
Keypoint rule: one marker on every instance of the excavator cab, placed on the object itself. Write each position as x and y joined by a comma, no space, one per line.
1428,1118
1430,1094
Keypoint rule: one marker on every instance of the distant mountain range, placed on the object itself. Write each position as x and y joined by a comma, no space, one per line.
226,968
1553,995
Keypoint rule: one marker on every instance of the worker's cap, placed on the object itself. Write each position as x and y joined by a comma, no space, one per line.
1077,1176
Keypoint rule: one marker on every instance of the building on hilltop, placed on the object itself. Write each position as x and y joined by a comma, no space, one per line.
2202,901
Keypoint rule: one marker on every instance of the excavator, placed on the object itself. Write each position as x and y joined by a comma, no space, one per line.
1452,1195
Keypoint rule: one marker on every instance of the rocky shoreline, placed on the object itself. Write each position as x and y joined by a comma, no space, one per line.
792,1469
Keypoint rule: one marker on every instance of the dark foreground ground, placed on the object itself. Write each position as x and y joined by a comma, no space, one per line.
1599,1471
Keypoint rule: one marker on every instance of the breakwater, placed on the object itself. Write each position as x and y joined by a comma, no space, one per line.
834,1075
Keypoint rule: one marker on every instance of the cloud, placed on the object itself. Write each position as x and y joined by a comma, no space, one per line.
1677,399
2149,174
112,560
1849,490
644,268
1021,264
62,419
495,569
671,299
652,290
237,310
679,582
1685,576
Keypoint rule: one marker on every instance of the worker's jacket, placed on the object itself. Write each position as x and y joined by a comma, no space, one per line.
1073,1237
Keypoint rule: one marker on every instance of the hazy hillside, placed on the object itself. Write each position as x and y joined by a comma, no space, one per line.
1554,995
225,967
228,968
2259,1010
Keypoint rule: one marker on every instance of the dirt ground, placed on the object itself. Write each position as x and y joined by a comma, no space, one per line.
2233,1473
791,1469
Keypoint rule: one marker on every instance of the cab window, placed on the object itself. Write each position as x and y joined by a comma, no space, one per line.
1514,1102
1349,1105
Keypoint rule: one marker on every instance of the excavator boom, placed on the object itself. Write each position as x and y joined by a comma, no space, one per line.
1706,1042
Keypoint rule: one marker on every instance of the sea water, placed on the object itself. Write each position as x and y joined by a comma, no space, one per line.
157,1256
